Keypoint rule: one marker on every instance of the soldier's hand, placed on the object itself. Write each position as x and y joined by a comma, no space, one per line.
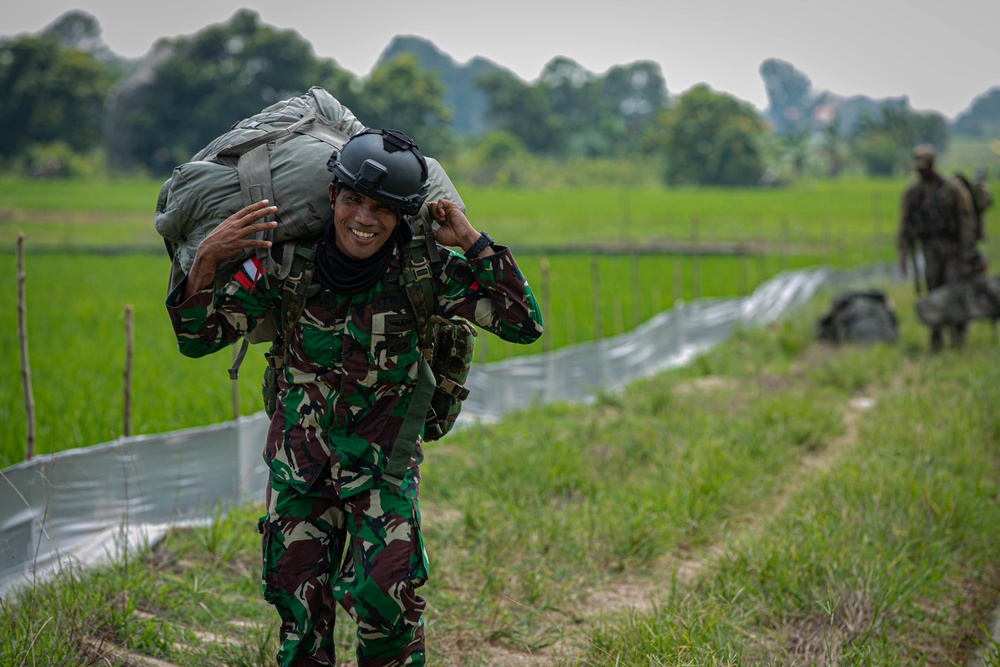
236,232
455,229
232,235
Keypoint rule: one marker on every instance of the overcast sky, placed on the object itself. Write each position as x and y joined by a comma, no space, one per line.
941,54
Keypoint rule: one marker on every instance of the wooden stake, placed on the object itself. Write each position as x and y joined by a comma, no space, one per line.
546,306
595,276
636,292
129,355
22,339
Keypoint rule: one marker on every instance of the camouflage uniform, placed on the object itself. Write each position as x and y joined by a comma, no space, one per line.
351,365
938,214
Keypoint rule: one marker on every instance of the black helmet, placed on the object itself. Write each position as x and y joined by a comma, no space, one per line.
384,165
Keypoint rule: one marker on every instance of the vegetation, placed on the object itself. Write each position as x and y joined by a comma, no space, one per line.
841,512
72,107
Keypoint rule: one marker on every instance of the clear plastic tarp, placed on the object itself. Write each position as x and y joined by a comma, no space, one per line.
88,505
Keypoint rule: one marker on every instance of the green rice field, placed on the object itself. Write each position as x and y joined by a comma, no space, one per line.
601,261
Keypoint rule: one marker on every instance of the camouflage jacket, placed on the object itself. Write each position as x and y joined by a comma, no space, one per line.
352,361
936,210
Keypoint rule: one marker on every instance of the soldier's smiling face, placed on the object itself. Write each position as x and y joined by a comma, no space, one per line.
361,225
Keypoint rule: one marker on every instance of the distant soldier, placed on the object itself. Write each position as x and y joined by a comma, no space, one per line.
938,213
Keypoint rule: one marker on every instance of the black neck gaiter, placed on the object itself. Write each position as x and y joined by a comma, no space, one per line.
346,275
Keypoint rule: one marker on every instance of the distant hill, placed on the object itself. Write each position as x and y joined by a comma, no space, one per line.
466,100
793,104
982,118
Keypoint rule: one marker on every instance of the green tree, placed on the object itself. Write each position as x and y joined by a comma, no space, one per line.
400,95
51,94
713,139
882,142
636,94
198,86
525,111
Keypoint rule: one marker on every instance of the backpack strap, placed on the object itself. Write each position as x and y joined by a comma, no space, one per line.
294,294
254,169
419,258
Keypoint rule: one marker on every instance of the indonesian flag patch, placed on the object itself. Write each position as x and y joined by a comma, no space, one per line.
249,273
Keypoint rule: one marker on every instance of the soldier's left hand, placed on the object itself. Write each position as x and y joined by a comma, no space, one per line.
455,229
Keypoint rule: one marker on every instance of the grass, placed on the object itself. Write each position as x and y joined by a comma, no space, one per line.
746,509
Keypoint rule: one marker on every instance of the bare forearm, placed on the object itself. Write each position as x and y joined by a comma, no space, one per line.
201,275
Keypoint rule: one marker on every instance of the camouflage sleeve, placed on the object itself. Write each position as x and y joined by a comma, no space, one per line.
212,319
490,291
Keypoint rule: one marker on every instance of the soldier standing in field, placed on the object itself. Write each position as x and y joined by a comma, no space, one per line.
937,214
338,529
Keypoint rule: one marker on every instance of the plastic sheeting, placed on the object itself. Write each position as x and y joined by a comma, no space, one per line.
89,505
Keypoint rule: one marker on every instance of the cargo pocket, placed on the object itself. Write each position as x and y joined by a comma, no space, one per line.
394,342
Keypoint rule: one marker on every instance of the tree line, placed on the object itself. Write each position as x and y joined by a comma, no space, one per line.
71,107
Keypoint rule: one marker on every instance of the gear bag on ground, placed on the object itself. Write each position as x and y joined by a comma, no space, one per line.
859,316
961,302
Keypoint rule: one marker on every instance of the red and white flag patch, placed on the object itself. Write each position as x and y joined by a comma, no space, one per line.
249,273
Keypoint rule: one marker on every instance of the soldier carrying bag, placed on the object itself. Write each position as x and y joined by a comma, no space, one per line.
446,346
280,154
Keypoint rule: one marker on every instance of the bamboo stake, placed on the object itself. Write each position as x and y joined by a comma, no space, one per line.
696,257
636,292
595,278
546,306
22,338
129,355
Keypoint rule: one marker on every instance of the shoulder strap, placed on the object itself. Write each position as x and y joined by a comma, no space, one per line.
293,301
419,258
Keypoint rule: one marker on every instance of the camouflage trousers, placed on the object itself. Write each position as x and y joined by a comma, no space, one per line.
364,552
942,267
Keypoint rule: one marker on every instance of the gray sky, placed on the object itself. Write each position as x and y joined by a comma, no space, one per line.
940,54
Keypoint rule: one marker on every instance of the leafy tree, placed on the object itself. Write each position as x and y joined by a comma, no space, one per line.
51,94
525,111
570,111
400,95
713,139
198,86
883,141
636,94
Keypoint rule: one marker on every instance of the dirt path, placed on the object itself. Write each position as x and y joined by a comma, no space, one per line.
640,596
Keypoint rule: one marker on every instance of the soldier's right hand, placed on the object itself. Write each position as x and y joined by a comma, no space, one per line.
236,232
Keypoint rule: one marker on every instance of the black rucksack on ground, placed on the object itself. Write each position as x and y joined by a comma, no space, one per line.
859,316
